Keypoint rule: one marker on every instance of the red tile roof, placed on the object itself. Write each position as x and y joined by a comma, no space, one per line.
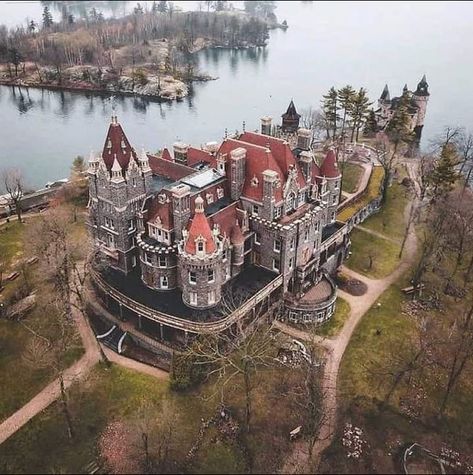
329,167
200,227
280,150
117,146
161,210
195,155
225,219
166,155
258,159
168,169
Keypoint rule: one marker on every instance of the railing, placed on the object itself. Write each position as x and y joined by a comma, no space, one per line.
180,323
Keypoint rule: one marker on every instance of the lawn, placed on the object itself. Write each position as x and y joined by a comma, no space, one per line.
390,220
372,191
11,244
336,323
22,380
115,394
371,255
351,176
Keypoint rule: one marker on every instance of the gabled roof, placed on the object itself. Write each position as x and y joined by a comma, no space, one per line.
200,228
280,150
329,167
167,168
227,219
117,146
196,155
166,155
163,211
258,159
291,112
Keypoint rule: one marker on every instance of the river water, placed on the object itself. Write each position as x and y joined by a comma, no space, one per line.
327,44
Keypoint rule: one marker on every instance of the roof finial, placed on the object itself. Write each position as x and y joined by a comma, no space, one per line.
244,126
226,132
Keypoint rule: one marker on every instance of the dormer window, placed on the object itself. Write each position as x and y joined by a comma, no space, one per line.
254,181
109,143
123,144
210,198
220,193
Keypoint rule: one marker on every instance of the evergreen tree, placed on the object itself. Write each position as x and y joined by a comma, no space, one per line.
359,111
47,18
162,6
371,126
32,26
346,96
70,19
398,128
444,175
330,108
138,10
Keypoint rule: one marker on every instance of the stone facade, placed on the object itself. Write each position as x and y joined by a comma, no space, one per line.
417,107
194,220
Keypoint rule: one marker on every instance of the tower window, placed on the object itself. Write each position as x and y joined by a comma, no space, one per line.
211,297
192,277
211,276
276,265
257,238
148,258
200,246
255,209
277,245
162,261
193,298
164,282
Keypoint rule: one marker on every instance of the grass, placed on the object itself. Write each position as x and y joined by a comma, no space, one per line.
115,394
384,255
371,192
20,379
11,244
336,323
390,221
351,177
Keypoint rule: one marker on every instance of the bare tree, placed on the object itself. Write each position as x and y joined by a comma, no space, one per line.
235,355
14,185
465,150
314,120
387,159
406,358
460,344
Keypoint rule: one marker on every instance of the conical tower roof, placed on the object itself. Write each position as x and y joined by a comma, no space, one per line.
200,229
385,94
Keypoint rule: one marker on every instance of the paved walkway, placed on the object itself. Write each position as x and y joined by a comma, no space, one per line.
298,461
134,365
79,370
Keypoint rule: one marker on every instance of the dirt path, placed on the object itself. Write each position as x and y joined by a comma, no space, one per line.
375,233
298,460
135,365
79,370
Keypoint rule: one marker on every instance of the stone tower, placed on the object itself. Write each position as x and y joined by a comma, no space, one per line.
200,262
119,183
421,97
331,173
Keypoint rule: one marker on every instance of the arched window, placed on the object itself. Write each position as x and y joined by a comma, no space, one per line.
200,246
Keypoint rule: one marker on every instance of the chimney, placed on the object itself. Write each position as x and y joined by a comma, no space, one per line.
303,139
180,152
266,125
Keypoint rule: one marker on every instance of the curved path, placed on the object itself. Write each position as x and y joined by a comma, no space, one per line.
79,370
298,461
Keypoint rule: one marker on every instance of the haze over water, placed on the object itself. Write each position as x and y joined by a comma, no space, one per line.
327,44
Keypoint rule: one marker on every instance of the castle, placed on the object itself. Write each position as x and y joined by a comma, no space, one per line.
178,230
417,107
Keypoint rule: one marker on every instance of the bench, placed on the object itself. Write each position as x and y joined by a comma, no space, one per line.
411,289
13,276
